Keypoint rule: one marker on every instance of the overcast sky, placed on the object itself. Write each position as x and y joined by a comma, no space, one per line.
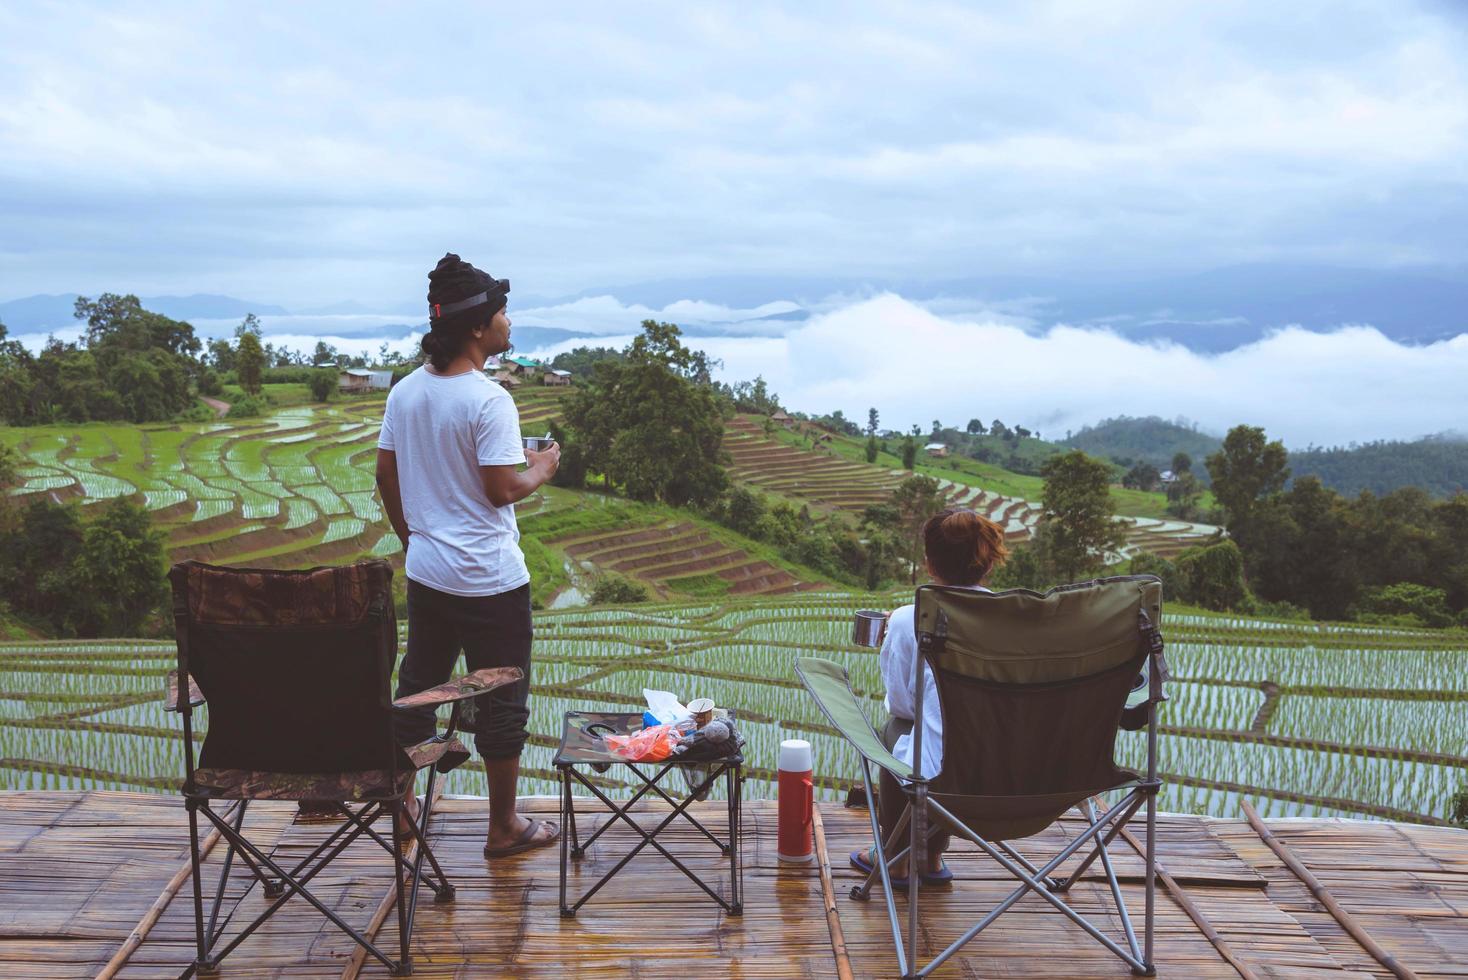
305,154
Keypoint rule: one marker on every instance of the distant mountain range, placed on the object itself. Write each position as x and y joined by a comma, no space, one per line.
1211,311
32,314
1437,464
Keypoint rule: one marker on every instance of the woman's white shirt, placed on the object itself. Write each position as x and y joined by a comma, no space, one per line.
898,658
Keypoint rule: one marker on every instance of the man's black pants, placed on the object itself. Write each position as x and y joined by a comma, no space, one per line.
492,631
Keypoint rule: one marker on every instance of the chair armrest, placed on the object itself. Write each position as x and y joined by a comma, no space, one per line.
196,697
829,684
471,685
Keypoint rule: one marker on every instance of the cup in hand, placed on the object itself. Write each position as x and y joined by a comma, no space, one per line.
538,444
869,627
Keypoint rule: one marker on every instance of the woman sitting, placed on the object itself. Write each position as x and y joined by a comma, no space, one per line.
960,548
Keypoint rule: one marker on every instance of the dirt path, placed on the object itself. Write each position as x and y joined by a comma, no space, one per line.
220,408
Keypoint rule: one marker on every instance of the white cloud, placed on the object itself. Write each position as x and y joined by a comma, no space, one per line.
305,158
914,366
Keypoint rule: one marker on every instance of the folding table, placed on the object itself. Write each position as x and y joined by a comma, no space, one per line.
582,746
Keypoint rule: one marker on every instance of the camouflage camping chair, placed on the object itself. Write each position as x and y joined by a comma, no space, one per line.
1033,690
295,667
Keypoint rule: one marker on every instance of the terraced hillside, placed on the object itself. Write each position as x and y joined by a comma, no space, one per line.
828,480
294,488
680,556
1304,719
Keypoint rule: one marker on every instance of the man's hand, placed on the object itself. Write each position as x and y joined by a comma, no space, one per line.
547,460
506,485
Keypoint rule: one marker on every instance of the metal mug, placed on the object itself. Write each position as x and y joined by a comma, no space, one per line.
703,711
869,627
538,444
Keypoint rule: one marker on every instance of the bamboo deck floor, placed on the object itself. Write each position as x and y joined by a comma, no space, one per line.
78,871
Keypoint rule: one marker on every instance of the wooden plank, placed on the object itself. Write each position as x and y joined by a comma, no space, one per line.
80,870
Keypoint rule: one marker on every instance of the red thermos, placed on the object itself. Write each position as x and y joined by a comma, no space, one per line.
797,797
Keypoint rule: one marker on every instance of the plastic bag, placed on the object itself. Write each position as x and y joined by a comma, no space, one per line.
665,707
649,745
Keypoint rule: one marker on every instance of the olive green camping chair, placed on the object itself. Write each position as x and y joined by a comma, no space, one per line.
1033,690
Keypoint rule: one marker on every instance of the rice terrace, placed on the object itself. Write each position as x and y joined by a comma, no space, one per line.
1301,718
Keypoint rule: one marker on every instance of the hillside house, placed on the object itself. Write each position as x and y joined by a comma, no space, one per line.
780,418
936,449
521,366
557,378
363,379
506,380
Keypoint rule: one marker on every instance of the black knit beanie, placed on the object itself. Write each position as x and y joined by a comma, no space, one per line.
453,281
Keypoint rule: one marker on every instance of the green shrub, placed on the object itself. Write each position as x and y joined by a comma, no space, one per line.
198,412
1428,606
1458,808
615,590
1022,571
1146,563
246,408
1212,577
322,383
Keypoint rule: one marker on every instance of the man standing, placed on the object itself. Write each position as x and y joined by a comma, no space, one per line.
448,470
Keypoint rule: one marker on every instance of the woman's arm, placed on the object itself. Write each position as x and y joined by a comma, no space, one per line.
391,493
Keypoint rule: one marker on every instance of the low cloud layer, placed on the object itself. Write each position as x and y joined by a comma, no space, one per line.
915,366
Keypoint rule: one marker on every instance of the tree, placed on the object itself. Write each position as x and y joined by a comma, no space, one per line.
974,427
872,418
249,362
1143,476
220,354
881,532
916,499
1183,494
118,571
9,478
1247,469
909,452
1077,531
572,471
649,424
324,354
322,384
1181,463
250,324
1212,576
581,361
871,449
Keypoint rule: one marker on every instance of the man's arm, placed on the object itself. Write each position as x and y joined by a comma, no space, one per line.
391,493
506,485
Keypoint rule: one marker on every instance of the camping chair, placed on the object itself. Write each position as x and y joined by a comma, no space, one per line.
295,667
1033,689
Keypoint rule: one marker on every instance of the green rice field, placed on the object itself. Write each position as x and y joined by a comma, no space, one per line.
1302,719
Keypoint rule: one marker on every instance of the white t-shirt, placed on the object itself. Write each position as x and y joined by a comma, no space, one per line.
898,658
442,430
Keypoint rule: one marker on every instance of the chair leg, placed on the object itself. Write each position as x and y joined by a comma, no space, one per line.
405,964
1126,919
1150,968
880,869
201,959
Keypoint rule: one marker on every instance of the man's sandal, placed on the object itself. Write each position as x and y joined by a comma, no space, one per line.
527,841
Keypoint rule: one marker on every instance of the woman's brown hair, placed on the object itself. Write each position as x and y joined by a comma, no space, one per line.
962,546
